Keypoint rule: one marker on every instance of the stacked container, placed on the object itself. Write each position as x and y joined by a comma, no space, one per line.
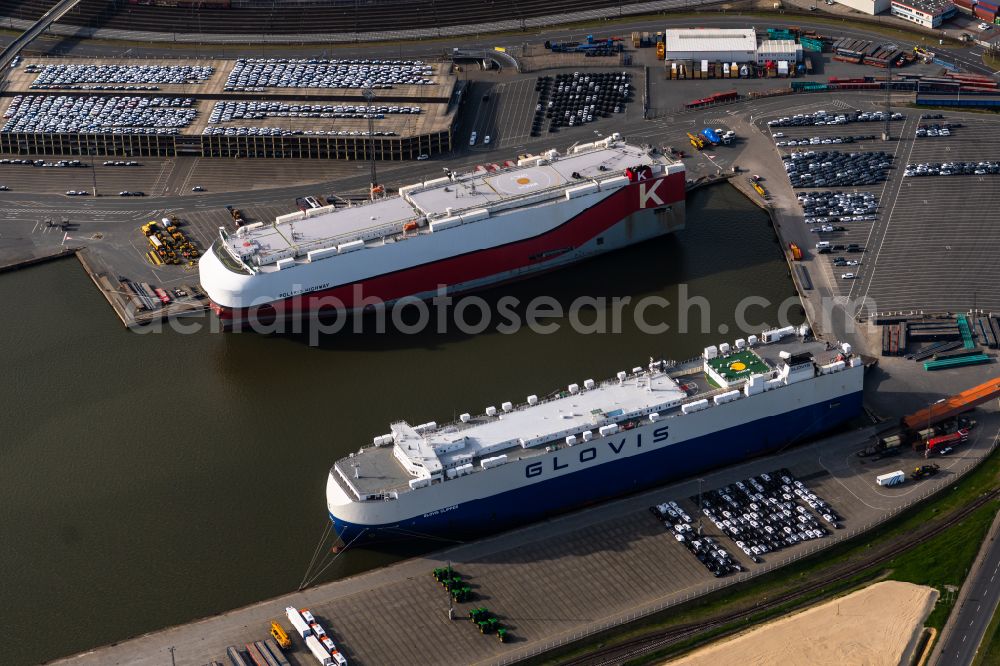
987,10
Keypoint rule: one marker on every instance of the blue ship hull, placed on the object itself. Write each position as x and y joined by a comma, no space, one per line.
589,485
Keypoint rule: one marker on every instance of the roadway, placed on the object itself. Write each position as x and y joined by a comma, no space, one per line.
14,46
969,57
978,601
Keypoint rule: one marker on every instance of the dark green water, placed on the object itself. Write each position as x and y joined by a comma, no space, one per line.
146,480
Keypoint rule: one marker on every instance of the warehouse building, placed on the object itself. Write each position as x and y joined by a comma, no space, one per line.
870,7
779,49
927,13
711,44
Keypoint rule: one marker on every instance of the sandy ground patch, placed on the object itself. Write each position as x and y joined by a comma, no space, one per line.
870,627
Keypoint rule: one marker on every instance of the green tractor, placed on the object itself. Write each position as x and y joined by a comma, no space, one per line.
502,634
453,583
442,574
488,626
478,614
461,594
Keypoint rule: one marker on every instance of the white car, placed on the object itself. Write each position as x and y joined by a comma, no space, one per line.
847,276
486,140
472,139
423,156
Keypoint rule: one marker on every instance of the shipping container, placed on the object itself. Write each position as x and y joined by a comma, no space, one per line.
276,652
256,657
891,479
307,616
235,658
318,651
298,622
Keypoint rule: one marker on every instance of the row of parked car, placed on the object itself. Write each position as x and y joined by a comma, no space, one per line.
279,131
58,76
817,141
836,169
98,114
952,169
831,207
226,111
768,512
708,551
43,163
821,117
97,88
936,130
284,73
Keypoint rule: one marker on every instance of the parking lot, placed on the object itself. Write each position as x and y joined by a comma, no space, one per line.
937,252
260,74
502,112
89,114
846,237
157,176
760,515
173,76
928,248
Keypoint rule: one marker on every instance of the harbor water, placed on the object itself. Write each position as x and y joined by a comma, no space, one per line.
150,479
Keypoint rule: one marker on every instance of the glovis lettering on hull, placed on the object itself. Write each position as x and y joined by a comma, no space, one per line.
586,455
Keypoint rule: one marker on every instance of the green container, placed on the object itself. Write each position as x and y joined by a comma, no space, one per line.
957,362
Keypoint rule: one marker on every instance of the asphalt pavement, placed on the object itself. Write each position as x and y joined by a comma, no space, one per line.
977,602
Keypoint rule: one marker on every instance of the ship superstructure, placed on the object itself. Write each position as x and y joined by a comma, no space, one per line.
461,231
593,440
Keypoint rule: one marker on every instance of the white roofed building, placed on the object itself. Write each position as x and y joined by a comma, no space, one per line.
870,7
715,44
779,49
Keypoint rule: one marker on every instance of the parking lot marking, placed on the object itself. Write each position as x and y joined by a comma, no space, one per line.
886,219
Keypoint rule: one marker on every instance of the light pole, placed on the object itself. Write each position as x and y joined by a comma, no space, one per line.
173,661
369,95
701,506
93,171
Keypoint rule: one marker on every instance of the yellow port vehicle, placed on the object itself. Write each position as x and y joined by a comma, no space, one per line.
280,636
696,141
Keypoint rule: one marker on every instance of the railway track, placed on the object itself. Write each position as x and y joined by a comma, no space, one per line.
643,645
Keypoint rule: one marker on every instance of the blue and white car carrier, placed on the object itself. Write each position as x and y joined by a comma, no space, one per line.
591,441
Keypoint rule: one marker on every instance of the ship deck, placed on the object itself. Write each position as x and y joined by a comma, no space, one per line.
377,472
486,188
549,421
